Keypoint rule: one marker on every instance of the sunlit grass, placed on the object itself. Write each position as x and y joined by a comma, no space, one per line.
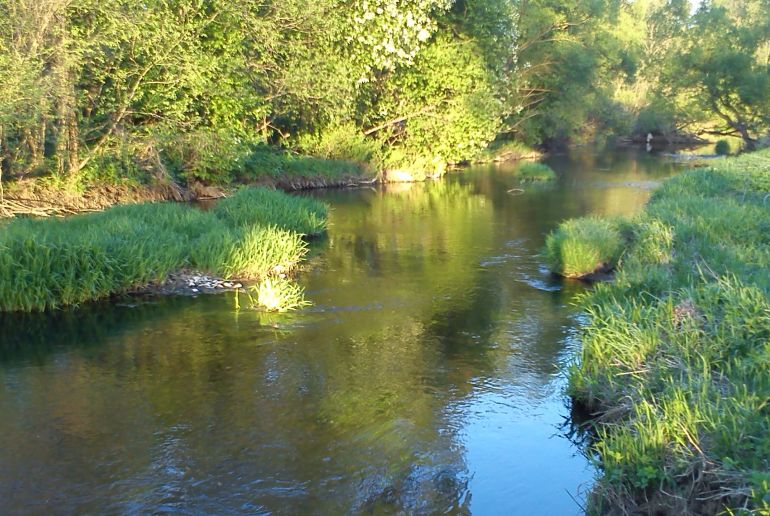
277,294
677,352
583,246
52,263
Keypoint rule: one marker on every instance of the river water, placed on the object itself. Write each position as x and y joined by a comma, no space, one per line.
427,377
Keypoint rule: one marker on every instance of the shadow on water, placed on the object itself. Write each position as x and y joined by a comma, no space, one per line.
426,377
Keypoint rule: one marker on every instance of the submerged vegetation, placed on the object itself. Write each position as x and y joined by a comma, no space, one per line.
52,263
675,360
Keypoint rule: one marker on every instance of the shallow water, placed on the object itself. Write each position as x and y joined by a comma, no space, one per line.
425,378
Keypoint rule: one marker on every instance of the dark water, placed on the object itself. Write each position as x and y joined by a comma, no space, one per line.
426,378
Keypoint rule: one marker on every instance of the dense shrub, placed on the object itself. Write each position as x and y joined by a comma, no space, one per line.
339,142
722,148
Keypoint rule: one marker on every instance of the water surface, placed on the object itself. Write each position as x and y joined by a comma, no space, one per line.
425,378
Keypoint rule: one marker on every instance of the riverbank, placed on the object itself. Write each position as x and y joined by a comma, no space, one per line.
114,184
112,181
51,263
675,363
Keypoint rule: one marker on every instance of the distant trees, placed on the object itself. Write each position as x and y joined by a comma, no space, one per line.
608,67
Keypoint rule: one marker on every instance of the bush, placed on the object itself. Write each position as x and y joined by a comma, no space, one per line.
339,142
269,162
657,118
580,247
722,148
532,171
207,155
401,165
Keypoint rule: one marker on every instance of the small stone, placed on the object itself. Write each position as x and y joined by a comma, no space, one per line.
195,290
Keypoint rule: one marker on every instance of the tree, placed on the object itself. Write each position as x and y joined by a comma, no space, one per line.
725,66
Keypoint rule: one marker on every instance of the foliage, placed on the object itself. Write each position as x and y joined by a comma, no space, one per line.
343,142
725,66
676,352
52,263
580,247
205,155
506,150
203,83
262,162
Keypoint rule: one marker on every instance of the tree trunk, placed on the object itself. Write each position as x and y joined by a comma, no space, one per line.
749,143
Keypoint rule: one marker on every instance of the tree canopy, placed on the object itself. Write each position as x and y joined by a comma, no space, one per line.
188,85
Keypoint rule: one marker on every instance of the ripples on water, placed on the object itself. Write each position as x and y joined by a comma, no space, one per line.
425,378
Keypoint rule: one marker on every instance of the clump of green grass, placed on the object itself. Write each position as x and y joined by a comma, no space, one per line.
533,171
51,263
277,294
581,247
250,206
676,353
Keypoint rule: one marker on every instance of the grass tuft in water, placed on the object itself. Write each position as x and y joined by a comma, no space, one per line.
533,171
580,247
277,294
676,356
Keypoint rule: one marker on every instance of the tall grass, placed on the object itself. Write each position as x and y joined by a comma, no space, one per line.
677,352
51,263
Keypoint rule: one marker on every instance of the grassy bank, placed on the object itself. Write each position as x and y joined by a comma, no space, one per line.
676,357
51,263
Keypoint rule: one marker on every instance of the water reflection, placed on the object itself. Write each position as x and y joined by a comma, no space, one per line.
424,379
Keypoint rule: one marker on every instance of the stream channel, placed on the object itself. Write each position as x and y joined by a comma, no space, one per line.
427,377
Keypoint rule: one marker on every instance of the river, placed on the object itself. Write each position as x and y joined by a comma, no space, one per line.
427,376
